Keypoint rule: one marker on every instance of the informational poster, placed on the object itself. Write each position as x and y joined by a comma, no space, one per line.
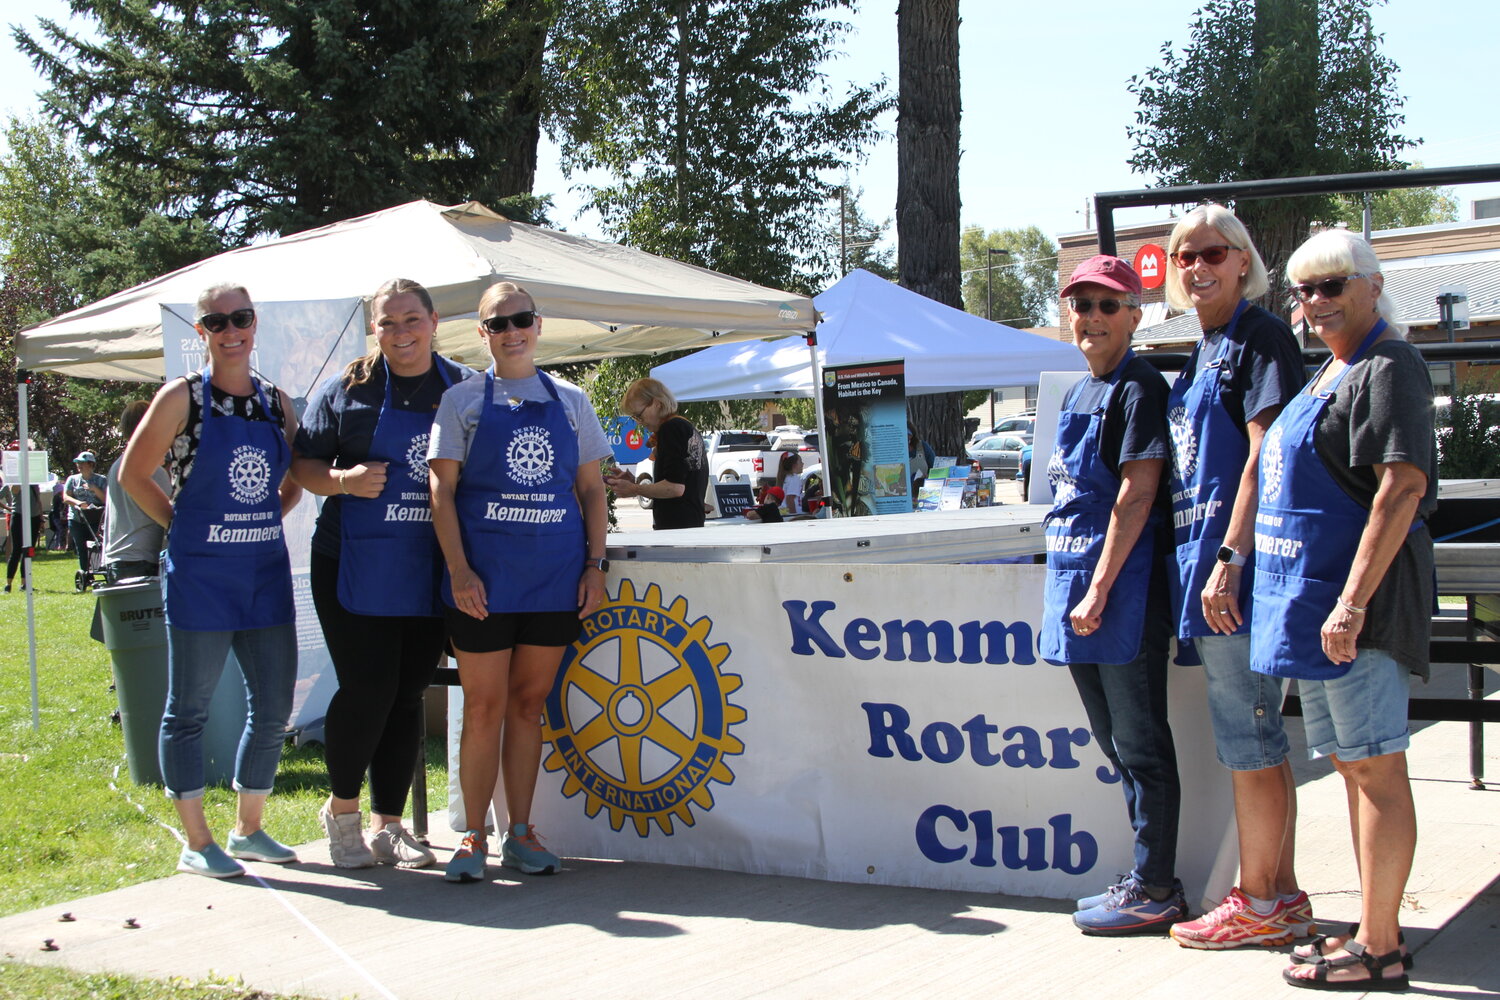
297,346
866,459
627,439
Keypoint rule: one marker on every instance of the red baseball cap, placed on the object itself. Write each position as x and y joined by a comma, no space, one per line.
1111,272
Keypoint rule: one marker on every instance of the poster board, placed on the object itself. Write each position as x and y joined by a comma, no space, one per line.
864,406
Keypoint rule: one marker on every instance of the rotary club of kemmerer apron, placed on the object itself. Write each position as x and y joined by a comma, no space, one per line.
1085,490
522,529
226,565
389,560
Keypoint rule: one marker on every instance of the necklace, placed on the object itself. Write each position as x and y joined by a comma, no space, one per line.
407,397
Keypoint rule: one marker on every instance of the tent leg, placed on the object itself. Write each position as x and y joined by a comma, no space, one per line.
23,383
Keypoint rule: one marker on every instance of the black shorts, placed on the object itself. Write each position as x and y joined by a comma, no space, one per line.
506,630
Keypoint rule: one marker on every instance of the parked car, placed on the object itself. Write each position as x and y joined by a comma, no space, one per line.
1022,424
1024,476
1001,452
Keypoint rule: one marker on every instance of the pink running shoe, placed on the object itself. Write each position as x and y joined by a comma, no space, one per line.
1234,923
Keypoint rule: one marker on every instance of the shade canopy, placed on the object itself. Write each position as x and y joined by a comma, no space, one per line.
866,318
597,299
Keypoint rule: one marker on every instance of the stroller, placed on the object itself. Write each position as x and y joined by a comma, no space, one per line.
85,579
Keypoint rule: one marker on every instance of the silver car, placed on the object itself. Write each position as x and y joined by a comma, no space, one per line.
1001,452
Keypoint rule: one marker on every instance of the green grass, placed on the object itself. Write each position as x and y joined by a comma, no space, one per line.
26,982
72,823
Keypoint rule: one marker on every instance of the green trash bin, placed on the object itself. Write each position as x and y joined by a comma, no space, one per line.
135,633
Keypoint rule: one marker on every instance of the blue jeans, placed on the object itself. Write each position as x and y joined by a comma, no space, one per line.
1127,709
195,661
1245,707
1361,714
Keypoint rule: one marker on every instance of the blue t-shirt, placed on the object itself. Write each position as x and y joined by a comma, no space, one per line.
1135,422
1266,363
339,426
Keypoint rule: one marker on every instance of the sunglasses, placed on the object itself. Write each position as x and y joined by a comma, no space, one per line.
499,324
242,319
1329,288
1211,255
1106,306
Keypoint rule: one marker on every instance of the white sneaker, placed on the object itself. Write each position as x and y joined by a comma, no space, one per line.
346,842
396,846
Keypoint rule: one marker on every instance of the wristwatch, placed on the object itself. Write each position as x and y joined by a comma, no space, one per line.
1229,557
601,564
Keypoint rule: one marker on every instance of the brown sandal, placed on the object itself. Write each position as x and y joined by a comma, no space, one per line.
1376,966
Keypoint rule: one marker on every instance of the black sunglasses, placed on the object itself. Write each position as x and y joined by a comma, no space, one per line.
499,324
1211,255
1329,288
242,319
1106,306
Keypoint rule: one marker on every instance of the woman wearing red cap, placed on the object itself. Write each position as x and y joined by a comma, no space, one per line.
1106,609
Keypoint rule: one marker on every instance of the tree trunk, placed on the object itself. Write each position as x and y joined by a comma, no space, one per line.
528,24
927,205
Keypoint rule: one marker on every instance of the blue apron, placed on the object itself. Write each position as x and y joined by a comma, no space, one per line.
521,525
1208,457
1306,534
389,560
226,564
1085,491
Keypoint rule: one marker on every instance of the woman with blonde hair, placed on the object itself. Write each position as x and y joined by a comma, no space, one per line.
375,568
679,462
518,505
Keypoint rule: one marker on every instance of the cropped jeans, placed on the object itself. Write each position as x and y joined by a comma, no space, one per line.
1126,705
195,662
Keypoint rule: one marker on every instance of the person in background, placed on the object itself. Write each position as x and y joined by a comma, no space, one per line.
1239,376
680,464
17,543
363,445
227,579
84,494
1344,584
132,541
57,519
789,481
1106,607
518,506
919,457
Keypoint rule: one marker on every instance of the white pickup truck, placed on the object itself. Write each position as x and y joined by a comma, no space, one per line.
735,456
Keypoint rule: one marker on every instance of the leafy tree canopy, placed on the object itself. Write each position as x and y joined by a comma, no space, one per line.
274,116
1025,277
1399,208
1270,88
716,123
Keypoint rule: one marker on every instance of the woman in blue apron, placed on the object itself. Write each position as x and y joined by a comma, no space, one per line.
375,569
518,505
1246,367
1344,581
1105,609
226,576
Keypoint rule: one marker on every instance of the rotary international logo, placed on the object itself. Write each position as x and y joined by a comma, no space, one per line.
416,458
1272,463
1063,485
639,717
249,474
1184,442
529,457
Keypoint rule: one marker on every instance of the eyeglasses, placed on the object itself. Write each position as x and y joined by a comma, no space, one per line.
499,324
640,411
1329,288
1211,255
242,319
1106,306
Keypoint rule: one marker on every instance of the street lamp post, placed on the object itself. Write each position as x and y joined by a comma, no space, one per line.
989,280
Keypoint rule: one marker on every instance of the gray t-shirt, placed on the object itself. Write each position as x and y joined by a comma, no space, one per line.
1382,413
458,415
129,533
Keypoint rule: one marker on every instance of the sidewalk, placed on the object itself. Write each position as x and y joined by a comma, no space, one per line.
606,929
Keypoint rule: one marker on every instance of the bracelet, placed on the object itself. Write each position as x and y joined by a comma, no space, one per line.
343,486
1351,608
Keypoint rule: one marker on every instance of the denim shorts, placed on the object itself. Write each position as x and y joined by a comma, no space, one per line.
1361,714
1245,707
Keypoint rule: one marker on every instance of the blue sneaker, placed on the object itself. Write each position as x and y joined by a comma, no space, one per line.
1130,910
1089,902
260,846
467,863
211,861
522,851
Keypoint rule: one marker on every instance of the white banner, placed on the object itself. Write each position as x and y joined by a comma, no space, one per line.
862,723
297,346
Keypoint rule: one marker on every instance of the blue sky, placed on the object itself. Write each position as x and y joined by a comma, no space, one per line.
1044,101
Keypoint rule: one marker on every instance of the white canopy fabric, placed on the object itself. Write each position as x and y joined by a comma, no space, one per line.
866,318
597,299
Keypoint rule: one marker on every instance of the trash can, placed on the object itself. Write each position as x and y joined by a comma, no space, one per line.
135,633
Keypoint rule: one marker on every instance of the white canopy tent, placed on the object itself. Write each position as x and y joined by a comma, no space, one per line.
866,318
598,299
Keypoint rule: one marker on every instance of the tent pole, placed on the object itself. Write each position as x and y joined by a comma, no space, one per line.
23,382
817,391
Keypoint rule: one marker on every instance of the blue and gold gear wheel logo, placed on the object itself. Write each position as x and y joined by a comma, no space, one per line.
639,716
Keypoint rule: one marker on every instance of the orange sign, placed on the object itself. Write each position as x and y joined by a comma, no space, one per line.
1151,265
